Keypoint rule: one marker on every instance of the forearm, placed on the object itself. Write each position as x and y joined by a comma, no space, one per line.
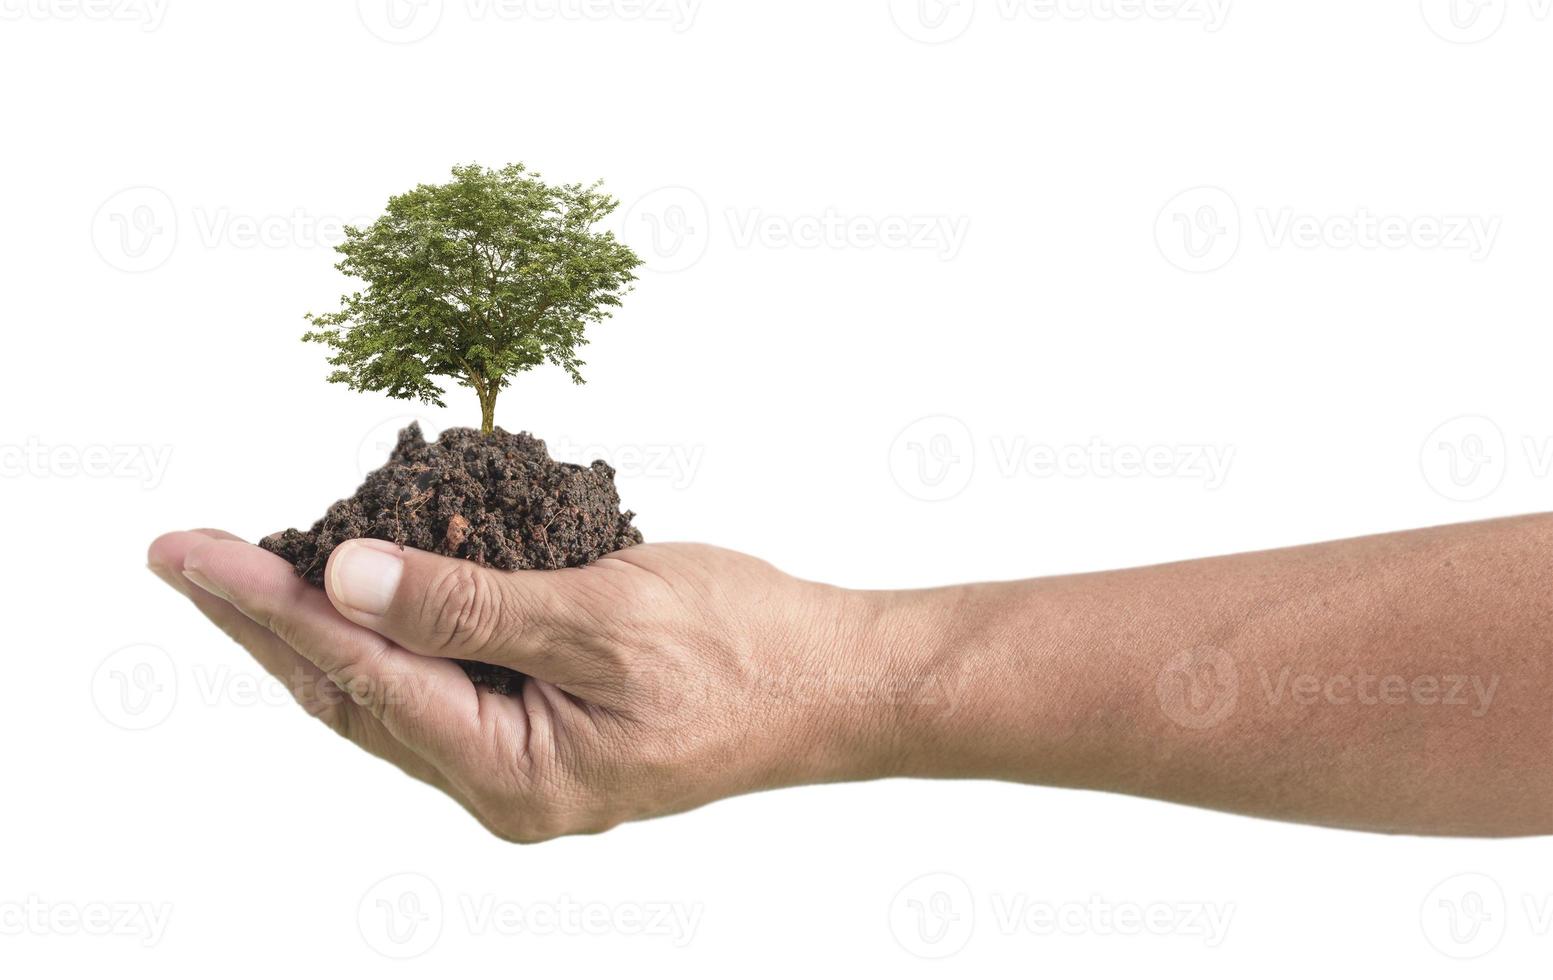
1398,682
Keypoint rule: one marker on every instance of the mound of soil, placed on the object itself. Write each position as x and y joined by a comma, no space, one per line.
498,500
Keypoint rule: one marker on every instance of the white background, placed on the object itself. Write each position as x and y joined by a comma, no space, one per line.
174,175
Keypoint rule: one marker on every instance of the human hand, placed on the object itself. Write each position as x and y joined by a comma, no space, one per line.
661,677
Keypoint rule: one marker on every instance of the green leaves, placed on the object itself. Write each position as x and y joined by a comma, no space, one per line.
475,280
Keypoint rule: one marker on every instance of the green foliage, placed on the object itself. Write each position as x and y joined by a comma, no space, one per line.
474,280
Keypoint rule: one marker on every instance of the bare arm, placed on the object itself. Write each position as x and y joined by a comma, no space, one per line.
1394,683
1399,682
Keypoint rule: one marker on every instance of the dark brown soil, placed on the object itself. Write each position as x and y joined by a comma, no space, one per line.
498,500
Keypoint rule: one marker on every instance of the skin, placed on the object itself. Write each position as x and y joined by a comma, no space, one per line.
1395,683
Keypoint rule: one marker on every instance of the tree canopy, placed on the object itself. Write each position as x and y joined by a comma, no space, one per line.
475,280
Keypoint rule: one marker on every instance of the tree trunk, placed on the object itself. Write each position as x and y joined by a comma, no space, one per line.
487,395
487,412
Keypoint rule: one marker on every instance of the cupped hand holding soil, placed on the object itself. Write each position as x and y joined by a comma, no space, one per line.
497,500
659,678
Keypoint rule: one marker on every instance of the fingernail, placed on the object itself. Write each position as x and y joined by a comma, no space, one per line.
193,575
365,578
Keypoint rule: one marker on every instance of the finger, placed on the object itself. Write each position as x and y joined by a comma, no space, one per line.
312,689
451,607
308,684
428,704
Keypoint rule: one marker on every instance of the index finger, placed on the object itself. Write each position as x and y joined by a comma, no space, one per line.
420,701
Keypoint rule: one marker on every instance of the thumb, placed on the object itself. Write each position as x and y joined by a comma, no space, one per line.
436,606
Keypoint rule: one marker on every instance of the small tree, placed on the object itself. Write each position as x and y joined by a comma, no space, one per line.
474,280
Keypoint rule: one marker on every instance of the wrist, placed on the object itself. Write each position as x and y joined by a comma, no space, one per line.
977,686
926,639
895,675
956,682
